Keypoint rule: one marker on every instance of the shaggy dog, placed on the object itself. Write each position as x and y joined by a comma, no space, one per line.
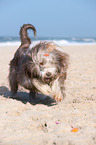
41,68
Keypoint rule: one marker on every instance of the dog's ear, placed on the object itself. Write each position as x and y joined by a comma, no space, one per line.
64,63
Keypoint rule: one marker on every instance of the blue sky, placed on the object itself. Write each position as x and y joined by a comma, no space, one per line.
52,18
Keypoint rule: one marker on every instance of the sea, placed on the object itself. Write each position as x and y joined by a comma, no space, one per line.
15,41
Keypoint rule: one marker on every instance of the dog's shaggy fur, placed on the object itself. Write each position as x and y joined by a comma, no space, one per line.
41,68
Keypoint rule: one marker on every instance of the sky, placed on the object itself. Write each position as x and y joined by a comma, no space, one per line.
52,18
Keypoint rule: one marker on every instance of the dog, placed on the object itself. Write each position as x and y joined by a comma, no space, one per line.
42,68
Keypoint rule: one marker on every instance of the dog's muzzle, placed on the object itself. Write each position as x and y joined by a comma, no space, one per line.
48,77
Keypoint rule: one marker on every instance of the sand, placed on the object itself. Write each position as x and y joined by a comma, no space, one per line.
47,123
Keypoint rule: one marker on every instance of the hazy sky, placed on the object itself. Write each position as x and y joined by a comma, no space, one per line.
52,18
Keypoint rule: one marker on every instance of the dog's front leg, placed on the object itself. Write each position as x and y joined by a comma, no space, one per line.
42,87
32,94
58,89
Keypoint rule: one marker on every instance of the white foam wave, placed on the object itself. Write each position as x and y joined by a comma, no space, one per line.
65,42
89,40
58,42
17,43
61,42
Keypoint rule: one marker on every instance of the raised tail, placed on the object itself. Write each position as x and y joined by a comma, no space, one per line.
24,35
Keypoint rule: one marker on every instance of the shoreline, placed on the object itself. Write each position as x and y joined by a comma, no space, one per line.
59,42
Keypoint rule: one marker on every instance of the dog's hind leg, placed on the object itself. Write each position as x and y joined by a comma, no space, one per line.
13,81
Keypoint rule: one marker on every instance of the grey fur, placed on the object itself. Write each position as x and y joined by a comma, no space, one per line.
42,68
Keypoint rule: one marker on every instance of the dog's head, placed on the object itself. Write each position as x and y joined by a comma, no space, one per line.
49,63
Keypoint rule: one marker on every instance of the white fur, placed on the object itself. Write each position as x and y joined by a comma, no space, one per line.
42,87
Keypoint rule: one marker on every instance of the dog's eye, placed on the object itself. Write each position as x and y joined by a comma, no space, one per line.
41,63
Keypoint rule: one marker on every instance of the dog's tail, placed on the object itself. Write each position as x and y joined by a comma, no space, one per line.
24,35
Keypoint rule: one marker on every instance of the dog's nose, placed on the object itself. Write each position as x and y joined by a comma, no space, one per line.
48,74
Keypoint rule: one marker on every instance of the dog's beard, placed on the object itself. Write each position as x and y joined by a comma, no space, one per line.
48,75
45,76
45,79
43,82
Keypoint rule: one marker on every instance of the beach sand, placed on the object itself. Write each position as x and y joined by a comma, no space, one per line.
46,123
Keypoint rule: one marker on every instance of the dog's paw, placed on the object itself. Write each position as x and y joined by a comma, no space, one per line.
57,98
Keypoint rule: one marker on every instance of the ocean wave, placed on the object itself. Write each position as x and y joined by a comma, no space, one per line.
89,40
9,43
73,41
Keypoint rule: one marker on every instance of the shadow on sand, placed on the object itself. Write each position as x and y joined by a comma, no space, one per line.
24,97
